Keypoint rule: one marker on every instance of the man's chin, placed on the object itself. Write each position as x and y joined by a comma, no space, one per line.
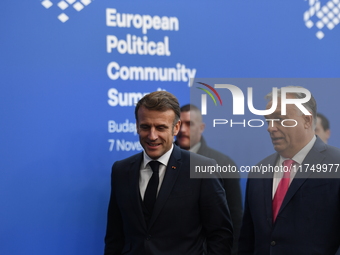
153,154
183,145
279,149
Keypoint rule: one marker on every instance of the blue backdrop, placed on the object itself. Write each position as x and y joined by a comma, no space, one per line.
71,71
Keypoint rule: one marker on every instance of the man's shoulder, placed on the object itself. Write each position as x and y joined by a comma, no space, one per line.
217,155
332,151
271,159
329,153
129,160
209,152
188,155
260,170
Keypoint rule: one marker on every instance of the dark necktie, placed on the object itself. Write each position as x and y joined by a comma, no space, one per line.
151,190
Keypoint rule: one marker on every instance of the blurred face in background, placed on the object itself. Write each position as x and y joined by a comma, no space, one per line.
320,132
191,129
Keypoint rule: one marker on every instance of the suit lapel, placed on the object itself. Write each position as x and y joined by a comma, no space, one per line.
134,174
268,189
171,174
313,157
268,186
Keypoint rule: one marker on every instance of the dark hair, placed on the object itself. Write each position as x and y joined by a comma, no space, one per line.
159,101
324,122
188,107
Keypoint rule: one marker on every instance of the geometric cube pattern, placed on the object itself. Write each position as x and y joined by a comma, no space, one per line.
63,5
326,16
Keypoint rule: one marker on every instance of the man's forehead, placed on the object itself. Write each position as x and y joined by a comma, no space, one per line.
195,116
143,111
278,107
185,114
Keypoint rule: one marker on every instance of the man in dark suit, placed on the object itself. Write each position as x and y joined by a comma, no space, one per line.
190,138
322,129
294,209
155,207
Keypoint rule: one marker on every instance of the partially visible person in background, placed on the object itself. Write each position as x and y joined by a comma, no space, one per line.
190,138
322,129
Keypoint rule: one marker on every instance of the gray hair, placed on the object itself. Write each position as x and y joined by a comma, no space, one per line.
310,105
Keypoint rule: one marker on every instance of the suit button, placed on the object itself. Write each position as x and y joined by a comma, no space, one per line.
148,237
272,243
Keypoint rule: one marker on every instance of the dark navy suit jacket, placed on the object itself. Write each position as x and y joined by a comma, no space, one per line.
308,222
231,185
187,211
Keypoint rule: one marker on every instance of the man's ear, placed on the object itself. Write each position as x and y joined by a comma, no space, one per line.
308,121
202,127
176,128
137,127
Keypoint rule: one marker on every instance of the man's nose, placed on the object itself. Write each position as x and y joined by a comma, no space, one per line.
153,134
272,127
183,128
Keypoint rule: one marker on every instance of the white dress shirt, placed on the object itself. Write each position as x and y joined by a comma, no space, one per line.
146,171
298,158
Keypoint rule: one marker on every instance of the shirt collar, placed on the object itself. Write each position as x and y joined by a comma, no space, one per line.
164,159
300,156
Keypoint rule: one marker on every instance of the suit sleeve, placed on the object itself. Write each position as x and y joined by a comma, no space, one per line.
114,239
215,216
232,188
247,237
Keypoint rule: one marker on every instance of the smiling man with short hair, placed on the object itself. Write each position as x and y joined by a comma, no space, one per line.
155,207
